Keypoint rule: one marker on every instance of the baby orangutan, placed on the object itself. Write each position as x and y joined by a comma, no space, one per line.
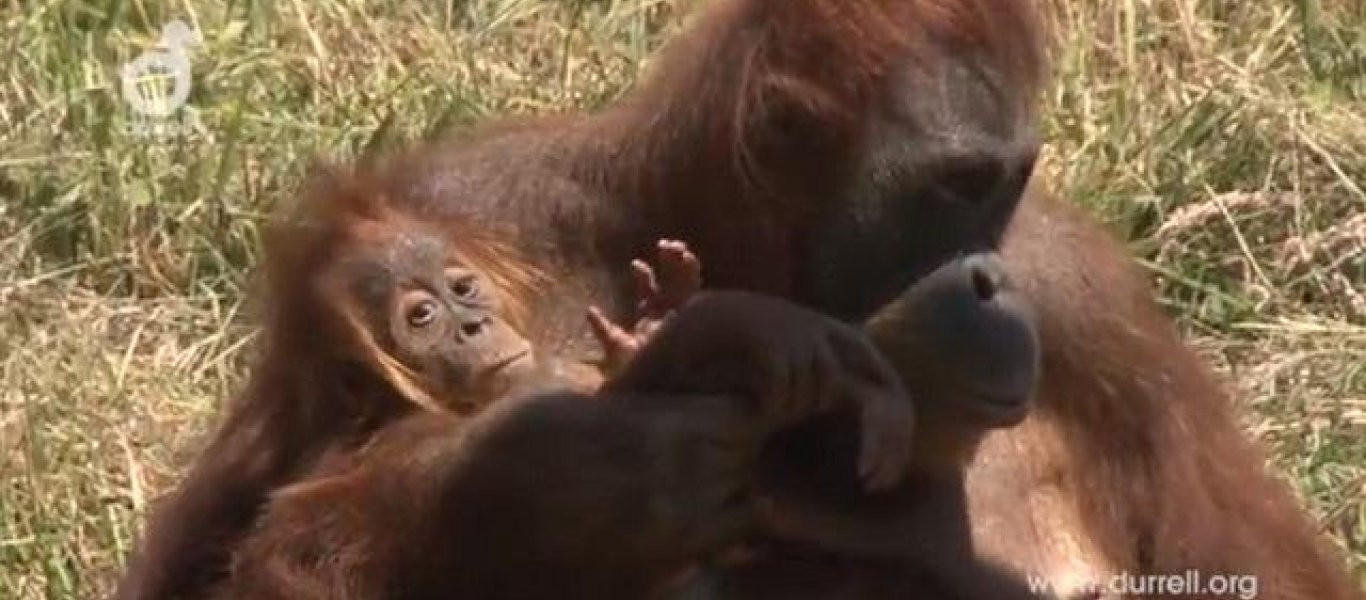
444,332
447,332
371,313
438,326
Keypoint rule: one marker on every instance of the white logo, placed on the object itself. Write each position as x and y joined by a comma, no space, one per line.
143,79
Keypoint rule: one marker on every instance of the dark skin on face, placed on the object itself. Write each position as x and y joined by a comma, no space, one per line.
454,336
441,319
967,340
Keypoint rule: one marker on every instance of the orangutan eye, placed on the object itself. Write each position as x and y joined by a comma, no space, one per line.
466,288
422,314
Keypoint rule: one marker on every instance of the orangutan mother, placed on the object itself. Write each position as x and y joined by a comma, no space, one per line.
835,152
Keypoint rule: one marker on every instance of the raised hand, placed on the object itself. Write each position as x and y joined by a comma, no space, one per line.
657,298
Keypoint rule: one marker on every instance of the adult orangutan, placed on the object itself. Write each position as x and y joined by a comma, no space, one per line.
833,152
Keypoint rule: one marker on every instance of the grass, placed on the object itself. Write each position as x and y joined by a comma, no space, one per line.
1225,139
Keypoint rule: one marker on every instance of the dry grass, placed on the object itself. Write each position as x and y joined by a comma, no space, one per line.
1226,139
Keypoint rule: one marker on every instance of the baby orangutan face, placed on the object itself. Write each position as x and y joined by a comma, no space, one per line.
439,318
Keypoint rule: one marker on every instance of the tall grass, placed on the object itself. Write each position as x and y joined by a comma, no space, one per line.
1224,138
